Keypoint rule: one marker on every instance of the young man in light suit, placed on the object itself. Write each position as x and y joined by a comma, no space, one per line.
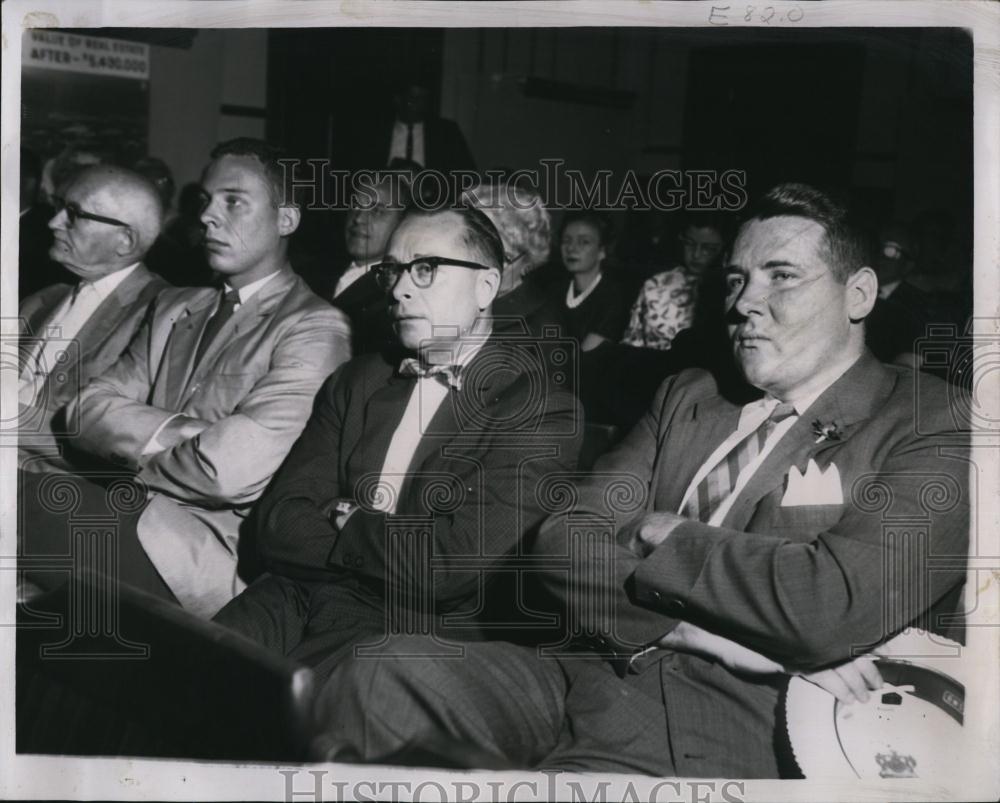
214,389
756,542
109,218
414,483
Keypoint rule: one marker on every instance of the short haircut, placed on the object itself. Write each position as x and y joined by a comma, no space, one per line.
399,186
479,234
595,220
519,215
269,156
720,222
847,248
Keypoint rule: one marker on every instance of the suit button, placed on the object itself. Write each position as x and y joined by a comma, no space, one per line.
359,562
348,558
675,606
655,596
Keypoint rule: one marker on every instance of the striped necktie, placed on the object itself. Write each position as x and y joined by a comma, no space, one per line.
719,482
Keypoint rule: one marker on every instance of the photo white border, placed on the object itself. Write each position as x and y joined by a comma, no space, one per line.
148,779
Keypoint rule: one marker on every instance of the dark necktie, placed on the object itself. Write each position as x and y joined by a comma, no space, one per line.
449,374
409,142
226,308
719,482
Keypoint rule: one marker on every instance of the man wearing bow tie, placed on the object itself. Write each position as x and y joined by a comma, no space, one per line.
213,390
414,481
763,535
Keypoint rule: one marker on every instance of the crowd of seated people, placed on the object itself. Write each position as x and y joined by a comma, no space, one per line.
382,458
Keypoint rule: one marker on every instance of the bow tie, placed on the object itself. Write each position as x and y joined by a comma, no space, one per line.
449,374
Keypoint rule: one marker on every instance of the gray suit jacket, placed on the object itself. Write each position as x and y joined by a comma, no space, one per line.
804,583
254,387
96,347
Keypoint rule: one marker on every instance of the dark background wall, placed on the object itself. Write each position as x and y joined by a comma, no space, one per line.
885,114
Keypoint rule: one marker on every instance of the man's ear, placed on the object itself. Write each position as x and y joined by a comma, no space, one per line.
487,286
862,291
128,241
288,219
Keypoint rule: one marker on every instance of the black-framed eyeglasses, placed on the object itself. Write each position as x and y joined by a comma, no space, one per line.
75,213
422,271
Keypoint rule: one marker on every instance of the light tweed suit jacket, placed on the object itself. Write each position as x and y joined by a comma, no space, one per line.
97,346
254,386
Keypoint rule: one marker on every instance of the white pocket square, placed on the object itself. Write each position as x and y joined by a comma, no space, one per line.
815,487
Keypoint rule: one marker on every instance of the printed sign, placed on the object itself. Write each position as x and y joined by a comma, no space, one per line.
58,50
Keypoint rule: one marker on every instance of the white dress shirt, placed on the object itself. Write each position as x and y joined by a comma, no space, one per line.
425,399
397,148
64,325
248,292
751,417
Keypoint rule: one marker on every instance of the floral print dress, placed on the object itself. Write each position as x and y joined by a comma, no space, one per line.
665,306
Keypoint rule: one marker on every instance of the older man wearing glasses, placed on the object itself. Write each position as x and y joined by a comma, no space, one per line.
106,221
187,427
416,478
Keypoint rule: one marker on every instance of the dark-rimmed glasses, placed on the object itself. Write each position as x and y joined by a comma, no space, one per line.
422,271
75,213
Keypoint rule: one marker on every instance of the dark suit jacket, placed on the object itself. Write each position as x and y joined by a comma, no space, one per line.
366,304
445,147
472,480
802,584
98,344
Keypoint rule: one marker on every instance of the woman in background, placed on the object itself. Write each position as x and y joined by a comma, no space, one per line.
595,306
666,303
524,225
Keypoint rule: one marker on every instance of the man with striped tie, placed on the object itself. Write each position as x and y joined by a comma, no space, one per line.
755,543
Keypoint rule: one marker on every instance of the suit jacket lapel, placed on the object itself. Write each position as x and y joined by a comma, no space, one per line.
105,319
48,302
848,402
361,294
690,443
383,411
479,391
184,340
246,319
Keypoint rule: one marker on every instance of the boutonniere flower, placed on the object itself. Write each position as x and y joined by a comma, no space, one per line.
826,432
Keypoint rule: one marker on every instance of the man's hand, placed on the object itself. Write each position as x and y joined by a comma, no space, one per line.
687,637
649,531
848,682
177,429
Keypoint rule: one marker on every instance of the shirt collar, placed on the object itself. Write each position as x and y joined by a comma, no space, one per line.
764,406
573,300
250,290
106,285
363,266
886,289
467,349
